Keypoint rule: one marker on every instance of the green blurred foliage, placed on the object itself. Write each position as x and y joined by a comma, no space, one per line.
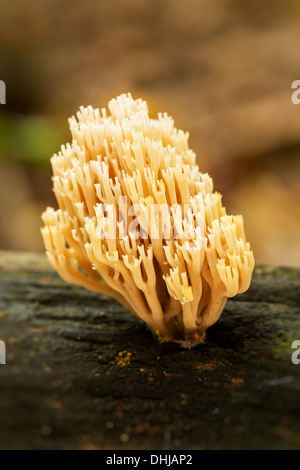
30,140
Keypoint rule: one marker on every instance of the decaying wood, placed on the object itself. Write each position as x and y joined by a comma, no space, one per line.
81,372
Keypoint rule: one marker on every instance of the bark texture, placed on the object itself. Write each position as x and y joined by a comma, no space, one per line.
82,373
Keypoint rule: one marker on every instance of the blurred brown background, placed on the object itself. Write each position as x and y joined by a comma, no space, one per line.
222,68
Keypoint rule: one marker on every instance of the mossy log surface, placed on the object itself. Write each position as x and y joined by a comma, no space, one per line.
82,373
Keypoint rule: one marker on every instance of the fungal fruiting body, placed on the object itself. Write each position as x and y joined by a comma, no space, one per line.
138,221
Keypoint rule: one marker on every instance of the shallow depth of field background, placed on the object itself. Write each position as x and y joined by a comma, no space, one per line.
222,69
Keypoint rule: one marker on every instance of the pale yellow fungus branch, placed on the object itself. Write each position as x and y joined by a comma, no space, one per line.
137,220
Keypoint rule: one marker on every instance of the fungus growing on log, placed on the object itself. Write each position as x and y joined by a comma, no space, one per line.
139,222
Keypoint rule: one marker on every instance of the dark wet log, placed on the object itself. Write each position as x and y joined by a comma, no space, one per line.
81,372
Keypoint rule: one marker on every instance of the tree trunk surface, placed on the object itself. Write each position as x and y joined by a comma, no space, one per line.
82,373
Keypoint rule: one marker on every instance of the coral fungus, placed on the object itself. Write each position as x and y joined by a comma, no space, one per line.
138,221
